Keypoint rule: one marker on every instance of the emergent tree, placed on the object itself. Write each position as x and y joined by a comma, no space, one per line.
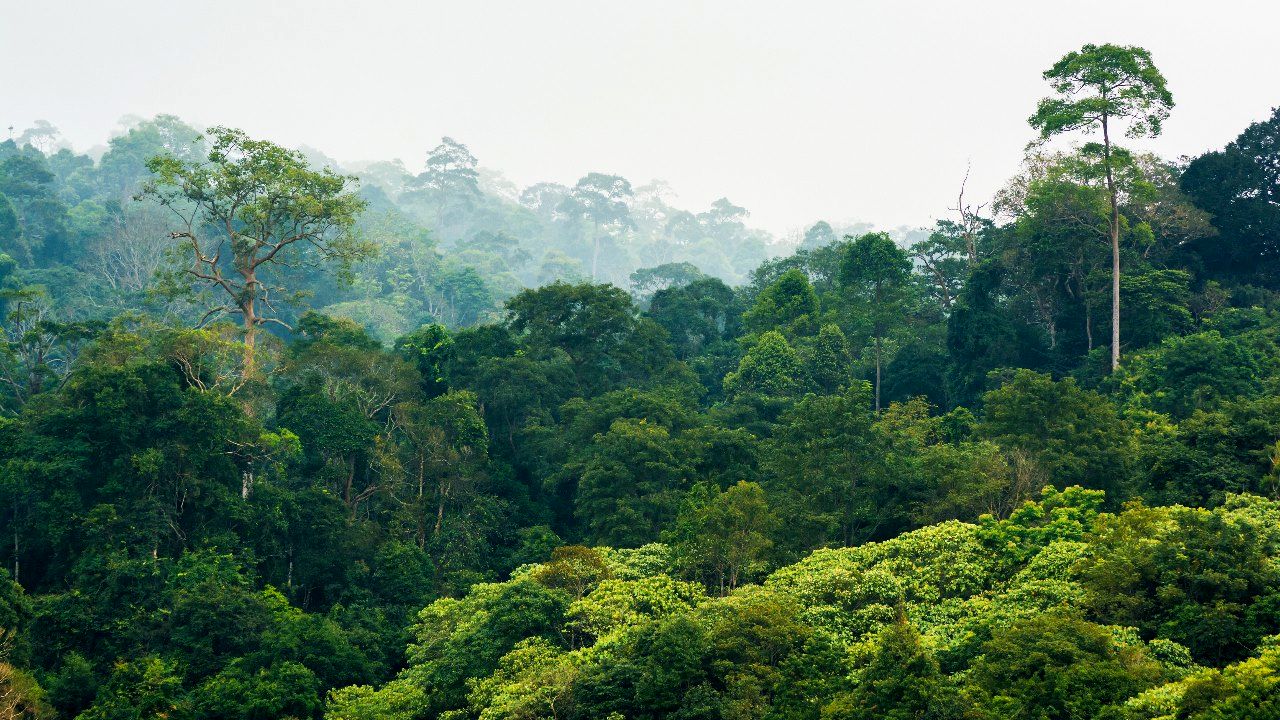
1097,86
249,209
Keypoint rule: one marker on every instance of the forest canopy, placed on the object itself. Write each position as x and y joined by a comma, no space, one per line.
283,438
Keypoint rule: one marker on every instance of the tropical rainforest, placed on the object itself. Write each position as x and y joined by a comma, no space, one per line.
285,439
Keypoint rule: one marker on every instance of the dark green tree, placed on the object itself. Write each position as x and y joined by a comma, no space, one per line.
901,681
876,277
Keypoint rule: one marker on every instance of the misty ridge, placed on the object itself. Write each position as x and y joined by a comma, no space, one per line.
456,239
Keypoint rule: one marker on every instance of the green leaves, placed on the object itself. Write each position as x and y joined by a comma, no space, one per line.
771,368
1100,82
251,209
724,537
631,483
1075,435
787,305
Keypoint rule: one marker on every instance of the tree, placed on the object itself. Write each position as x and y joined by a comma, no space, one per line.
429,348
818,235
1056,667
33,219
828,359
1243,691
723,537
1096,86
123,167
545,200
631,483
647,281
147,687
1158,303
466,297
575,569
723,220
251,209
876,274
500,244
601,200
286,689
450,443
824,470
701,316
770,369
595,326
1075,435
1056,245
130,251
37,351
982,335
42,135
10,232
1240,186
902,681
944,262
451,177
972,225
787,305
1210,455
1197,577
339,389
21,697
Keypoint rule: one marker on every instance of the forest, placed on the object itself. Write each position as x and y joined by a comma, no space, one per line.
282,438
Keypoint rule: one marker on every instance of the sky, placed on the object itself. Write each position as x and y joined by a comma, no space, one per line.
798,111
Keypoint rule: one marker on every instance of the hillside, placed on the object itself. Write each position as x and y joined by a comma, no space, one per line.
1057,611
278,441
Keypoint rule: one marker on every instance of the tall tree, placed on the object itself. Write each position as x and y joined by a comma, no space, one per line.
877,275
42,135
249,209
971,226
451,177
1097,86
647,281
601,200
818,235
944,261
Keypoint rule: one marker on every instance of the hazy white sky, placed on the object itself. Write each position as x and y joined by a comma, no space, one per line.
796,110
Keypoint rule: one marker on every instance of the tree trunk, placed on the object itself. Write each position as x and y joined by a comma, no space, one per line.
1115,248
422,475
250,338
1088,326
350,482
435,533
595,248
1115,291
16,546
877,373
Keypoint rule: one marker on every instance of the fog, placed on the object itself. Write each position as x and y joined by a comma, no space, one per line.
843,111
